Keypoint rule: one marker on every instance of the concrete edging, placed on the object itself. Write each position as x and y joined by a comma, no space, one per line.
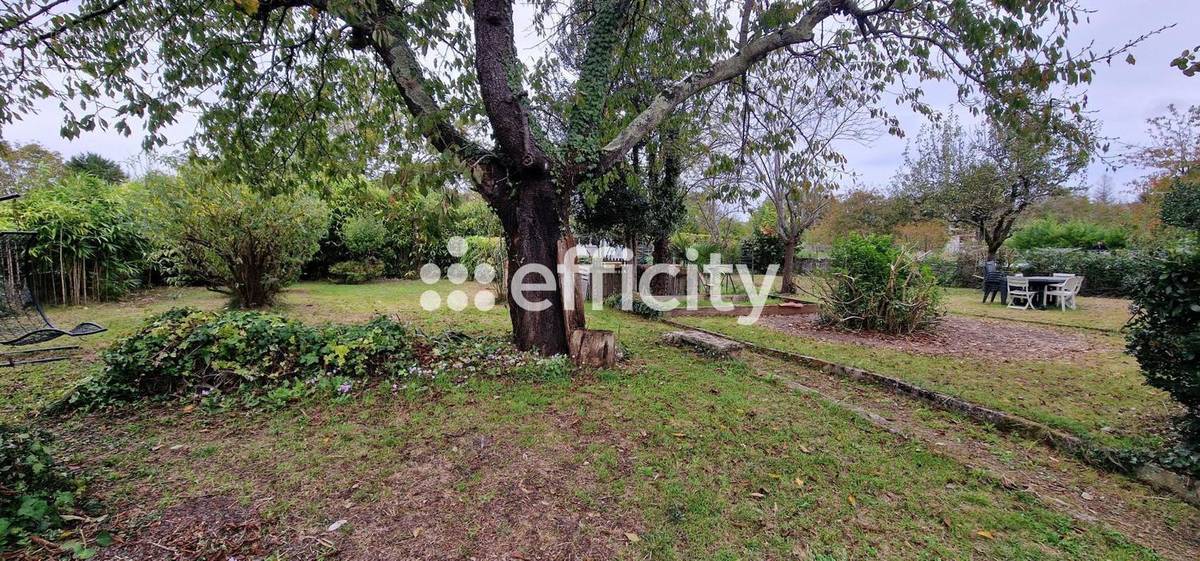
1184,486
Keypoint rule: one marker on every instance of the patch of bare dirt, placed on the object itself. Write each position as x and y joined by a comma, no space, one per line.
479,497
202,529
960,336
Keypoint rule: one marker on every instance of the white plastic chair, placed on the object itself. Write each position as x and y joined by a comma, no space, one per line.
1066,292
1018,289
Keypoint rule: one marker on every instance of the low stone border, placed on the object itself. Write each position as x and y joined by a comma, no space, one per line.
1184,486
772,310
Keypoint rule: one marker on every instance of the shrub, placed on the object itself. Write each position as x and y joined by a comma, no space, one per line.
355,272
484,249
637,307
241,242
1164,334
1106,273
34,490
185,352
1075,234
761,250
364,236
490,250
874,284
1181,205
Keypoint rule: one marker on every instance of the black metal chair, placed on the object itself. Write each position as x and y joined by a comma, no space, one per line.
23,322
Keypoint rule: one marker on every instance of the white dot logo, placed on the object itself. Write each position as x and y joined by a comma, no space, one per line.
458,274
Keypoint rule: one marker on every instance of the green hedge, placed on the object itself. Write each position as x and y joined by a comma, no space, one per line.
355,272
1106,273
1048,233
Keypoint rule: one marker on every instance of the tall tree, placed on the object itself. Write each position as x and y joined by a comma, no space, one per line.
296,74
23,166
988,178
1173,150
792,132
97,166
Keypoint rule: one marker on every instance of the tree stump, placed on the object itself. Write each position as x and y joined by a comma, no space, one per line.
593,347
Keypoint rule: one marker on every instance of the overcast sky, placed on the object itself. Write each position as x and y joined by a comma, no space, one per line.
1122,96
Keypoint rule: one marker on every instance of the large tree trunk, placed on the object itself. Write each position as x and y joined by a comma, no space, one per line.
532,228
789,266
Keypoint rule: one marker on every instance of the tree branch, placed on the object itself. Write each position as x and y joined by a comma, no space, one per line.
675,94
499,73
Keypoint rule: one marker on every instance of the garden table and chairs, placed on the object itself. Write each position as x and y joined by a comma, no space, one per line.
1038,291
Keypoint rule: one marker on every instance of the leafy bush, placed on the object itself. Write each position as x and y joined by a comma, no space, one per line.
89,244
185,351
355,272
957,271
241,242
34,490
1075,234
761,250
1164,334
364,236
1106,273
637,307
874,284
1181,205
484,249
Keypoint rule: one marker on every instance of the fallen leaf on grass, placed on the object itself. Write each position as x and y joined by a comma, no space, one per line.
799,482
417,532
985,534
853,501
336,525
632,537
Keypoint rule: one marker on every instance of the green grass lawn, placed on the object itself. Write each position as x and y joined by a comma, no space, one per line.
1092,312
670,456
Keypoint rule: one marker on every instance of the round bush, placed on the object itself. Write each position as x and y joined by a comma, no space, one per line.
874,284
1164,334
355,272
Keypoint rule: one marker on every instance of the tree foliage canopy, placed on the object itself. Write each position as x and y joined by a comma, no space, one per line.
329,77
987,178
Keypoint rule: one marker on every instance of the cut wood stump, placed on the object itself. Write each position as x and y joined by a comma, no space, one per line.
709,344
593,347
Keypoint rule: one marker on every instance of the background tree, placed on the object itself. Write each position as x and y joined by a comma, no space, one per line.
862,211
791,133
987,179
27,165
296,74
97,166
1173,151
